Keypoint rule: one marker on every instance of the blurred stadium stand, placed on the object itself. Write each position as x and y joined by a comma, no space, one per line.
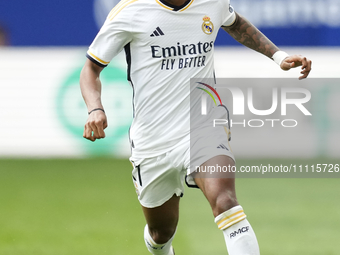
76,22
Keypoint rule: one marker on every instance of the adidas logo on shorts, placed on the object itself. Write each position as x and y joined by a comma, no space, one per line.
222,146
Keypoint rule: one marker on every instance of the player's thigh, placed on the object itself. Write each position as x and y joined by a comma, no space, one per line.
219,188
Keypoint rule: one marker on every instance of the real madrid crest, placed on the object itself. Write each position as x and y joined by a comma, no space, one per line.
207,26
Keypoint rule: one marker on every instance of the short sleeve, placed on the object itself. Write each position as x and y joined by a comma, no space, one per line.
229,14
111,39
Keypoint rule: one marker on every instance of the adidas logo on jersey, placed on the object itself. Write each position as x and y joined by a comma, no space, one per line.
157,32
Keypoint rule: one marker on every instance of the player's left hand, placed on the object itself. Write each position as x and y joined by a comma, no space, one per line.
296,61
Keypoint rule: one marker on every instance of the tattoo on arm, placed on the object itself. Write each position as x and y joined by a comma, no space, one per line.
247,34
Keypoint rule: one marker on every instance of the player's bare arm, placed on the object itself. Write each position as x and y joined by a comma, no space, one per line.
247,34
90,86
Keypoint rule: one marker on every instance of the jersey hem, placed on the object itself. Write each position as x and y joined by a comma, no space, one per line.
141,155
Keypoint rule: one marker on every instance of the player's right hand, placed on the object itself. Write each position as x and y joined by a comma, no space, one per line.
95,125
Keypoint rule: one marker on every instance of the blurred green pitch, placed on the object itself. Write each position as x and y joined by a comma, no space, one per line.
71,207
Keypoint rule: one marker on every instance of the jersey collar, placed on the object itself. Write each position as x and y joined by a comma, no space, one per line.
171,7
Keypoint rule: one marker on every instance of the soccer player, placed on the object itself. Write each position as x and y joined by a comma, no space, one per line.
167,42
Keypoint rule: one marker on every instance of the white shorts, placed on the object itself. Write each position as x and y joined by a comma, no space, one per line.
158,178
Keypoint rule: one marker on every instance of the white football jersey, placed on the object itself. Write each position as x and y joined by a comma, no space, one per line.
165,46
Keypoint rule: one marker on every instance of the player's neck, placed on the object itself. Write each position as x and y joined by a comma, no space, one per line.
175,2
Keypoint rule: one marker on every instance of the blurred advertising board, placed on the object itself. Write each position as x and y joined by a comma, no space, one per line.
42,112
